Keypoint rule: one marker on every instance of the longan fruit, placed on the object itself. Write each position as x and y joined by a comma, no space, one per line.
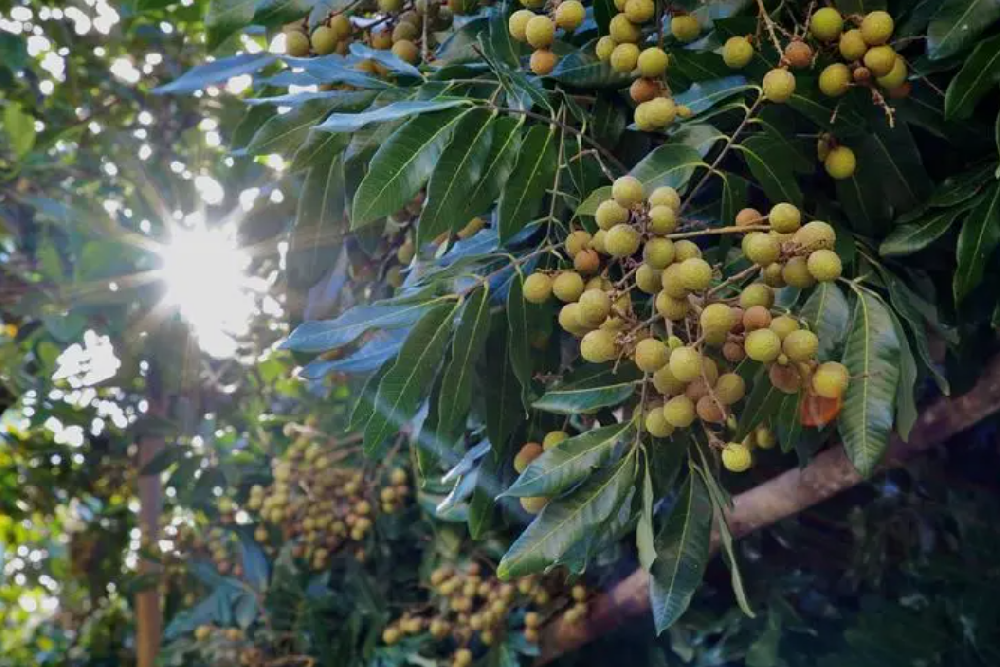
737,52
542,62
553,438
685,28
824,265
647,279
540,32
784,325
679,412
826,24
625,57
796,273
880,60
785,378
877,27
798,54
733,352
730,388
840,163
835,80
658,253
657,113
815,235
622,241
671,282
610,213
662,220
576,241
671,308
779,85
599,346
570,14
896,76
852,45
830,379
568,286
652,61
736,457
756,317
403,30
762,345
587,261
651,355
323,40
800,345
627,191
716,317
341,26
644,90
665,196
665,382
785,218
760,248
623,31
297,44
695,274
749,217
604,48
595,306
528,453
639,11
406,51
685,364
657,425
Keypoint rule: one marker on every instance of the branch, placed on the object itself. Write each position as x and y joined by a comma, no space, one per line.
783,496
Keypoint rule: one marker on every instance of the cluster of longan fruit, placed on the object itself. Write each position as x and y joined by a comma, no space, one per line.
332,36
529,452
539,30
738,456
227,647
469,609
220,545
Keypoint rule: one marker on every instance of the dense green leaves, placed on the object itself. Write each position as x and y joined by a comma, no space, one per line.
828,314
350,122
978,239
957,24
329,334
536,166
319,222
19,128
979,74
220,70
912,237
504,147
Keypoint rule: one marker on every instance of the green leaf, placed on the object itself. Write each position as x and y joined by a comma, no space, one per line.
704,95
976,242
351,122
320,223
402,165
892,153
501,390
323,335
787,426
387,59
482,503
286,133
504,147
670,164
906,406
275,12
520,314
255,569
317,149
523,193
587,396
19,128
872,359
681,553
764,651
573,459
455,176
502,45
913,237
217,71
766,159
908,305
226,17
165,458
762,402
828,314
566,521
645,539
402,387
979,74
456,385
583,70
957,24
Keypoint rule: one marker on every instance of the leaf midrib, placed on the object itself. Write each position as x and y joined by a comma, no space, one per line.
468,352
982,230
551,472
436,209
543,150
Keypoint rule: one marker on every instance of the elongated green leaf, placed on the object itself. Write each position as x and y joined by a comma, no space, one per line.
906,405
764,157
320,223
351,122
317,149
829,315
760,405
893,153
519,314
501,390
401,388
577,400
979,75
978,239
681,553
523,193
570,461
645,539
502,45
482,503
907,304
19,128
670,164
217,71
872,359
387,59
908,239
566,521
583,70
402,165
456,385
365,405
276,12
455,176
787,425
704,95
504,147
957,24
326,335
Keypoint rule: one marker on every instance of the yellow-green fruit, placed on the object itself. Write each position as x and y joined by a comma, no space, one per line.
662,220
785,218
671,282
815,235
625,57
840,163
756,317
695,274
685,250
406,51
537,288
531,505
657,113
517,24
381,40
599,346
297,44
639,11
648,279
796,273
403,30
623,31
760,248
657,424
736,457
653,62
665,382
553,438
390,636
540,32
324,40
877,28
570,14
784,325
595,306
389,6
762,345
627,191
764,437
830,379
685,28
622,241
568,286
824,265
771,276
658,253
673,309
587,261
730,388
880,60
896,77
577,241
852,45
569,319
756,294
737,52
651,355
597,243
685,363
679,411
835,80
800,345
717,317
528,453
610,213
826,24
665,196
779,85
605,47
341,26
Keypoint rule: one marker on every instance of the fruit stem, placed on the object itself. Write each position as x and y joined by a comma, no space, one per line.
734,279
720,230
769,24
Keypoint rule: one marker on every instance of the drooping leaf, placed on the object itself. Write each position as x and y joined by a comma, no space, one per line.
19,127
976,242
906,406
320,223
522,195
387,59
584,70
910,238
277,12
370,356
286,133
979,75
520,317
828,314
907,304
644,536
328,334
351,122
957,24
787,425
501,390
504,148
586,396
502,45
217,71
704,95
759,405
767,160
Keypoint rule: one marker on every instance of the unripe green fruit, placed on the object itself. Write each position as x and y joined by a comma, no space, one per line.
657,425
570,14
528,453
779,85
652,61
800,345
840,163
531,505
756,294
852,45
297,44
760,248
830,380
796,273
390,636
625,57
658,253
622,241
824,265
577,241
648,279
553,438
390,6
762,345
764,437
605,47
771,276
679,411
540,32
623,31
595,306
537,288
657,113
671,308
599,346
730,388
877,27
737,52
610,213
568,286
815,235
665,196
324,40
784,325
569,319
406,51
662,220
651,355
826,24
736,457
756,317
517,24
627,191
896,77
717,317
835,80
685,250
597,243
785,218
685,28
665,382
880,60
685,364
695,274
671,281
341,26
403,30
